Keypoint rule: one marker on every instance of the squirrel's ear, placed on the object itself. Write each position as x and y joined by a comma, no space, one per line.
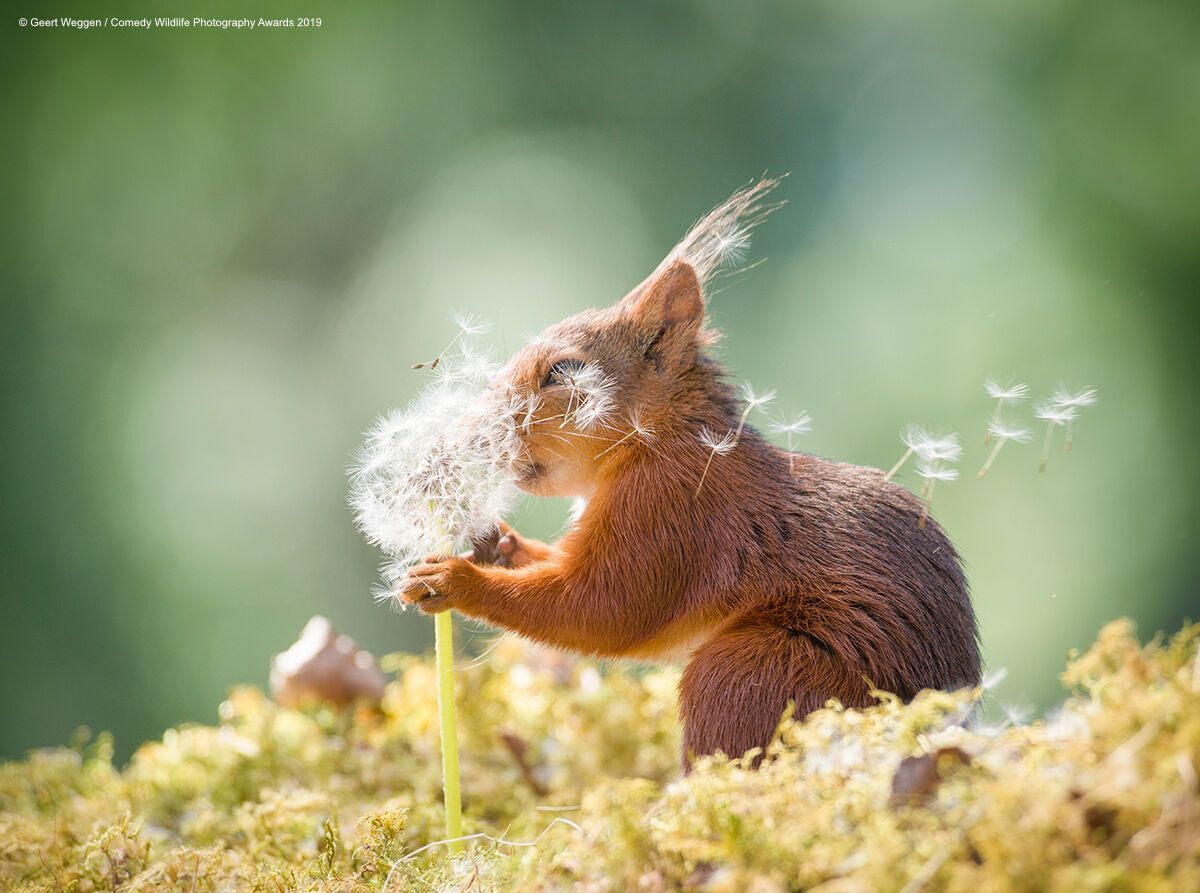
670,308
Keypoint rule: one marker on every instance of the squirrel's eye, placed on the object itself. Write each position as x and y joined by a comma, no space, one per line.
561,371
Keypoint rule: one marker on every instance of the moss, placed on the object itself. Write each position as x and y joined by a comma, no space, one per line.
583,765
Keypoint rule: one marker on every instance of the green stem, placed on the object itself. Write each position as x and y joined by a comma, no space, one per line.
443,633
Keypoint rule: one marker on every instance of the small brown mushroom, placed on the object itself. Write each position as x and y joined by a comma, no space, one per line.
323,666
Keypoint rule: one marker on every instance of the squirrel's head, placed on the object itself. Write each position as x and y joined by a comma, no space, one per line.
603,383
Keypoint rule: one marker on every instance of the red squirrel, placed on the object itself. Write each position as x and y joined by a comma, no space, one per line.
780,578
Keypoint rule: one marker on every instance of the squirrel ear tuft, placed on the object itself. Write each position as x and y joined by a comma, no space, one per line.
670,299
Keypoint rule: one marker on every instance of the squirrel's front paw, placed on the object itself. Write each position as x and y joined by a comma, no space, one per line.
504,547
435,585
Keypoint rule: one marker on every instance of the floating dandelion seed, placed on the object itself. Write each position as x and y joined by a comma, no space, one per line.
729,440
468,325
918,441
932,470
1002,394
1052,414
914,438
945,448
640,429
800,425
1076,400
1002,433
716,446
590,396
753,401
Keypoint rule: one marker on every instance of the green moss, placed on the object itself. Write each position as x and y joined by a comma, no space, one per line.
1103,796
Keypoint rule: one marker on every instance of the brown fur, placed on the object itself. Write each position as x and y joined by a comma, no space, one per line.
784,581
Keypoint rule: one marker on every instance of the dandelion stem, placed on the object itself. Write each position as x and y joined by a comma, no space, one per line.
443,632
991,457
1070,435
1046,448
898,465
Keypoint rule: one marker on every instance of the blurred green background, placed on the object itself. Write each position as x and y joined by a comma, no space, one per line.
225,249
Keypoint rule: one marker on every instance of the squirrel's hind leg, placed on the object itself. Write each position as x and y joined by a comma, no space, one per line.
737,684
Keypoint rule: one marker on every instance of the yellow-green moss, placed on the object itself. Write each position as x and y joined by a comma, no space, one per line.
1102,796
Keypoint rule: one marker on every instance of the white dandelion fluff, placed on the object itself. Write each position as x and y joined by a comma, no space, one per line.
468,325
755,399
945,448
791,429
718,445
1002,432
1006,393
919,442
1002,394
1064,396
1053,415
437,475
640,430
590,396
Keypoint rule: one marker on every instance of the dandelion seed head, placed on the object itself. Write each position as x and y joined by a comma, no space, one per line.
719,444
437,475
801,424
1049,411
934,471
1004,431
1006,393
1064,396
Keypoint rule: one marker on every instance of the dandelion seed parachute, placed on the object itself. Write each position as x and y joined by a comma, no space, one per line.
1006,393
1002,394
1053,414
1003,433
1066,398
720,444
801,424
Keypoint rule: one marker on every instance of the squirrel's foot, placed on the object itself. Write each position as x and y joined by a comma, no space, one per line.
436,585
504,547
